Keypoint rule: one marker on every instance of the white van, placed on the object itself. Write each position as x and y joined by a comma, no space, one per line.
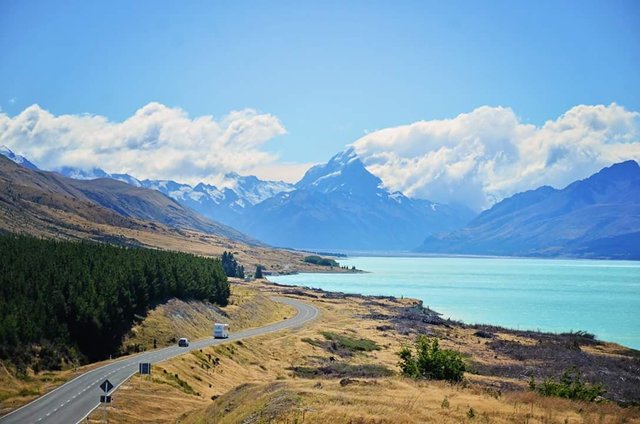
220,330
183,342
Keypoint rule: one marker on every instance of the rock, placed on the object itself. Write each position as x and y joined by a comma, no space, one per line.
484,334
347,381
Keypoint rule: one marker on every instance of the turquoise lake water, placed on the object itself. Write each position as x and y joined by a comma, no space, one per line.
601,297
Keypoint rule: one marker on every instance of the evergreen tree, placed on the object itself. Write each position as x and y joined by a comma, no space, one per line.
231,266
258,273
75,301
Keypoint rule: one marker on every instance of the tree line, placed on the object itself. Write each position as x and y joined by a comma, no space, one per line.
75,301
231,267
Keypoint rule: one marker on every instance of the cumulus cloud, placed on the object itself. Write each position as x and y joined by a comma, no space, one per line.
481,157
157,142
289,172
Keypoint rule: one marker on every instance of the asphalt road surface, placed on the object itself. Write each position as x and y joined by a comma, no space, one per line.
75,400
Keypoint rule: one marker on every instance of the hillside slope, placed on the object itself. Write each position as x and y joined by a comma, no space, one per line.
46,204
222,204
342,368
39,194
598,217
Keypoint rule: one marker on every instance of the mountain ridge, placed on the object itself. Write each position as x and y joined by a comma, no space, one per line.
579,220
102,200
341,205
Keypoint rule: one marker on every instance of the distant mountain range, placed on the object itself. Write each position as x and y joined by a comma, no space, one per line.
219,204
598,217
341,205
30,197
338,205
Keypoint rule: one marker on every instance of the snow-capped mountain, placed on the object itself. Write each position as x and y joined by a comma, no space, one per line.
341,205
20,160
83,174
337,205
220,204
253,189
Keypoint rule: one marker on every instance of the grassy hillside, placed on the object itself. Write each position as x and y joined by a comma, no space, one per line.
343,369
193,319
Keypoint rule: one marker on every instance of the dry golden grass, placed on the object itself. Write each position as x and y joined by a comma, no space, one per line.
391,400
254,381
175,319
17,391
166,323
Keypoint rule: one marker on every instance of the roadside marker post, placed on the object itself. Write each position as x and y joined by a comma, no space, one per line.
106,386
144,368
105,399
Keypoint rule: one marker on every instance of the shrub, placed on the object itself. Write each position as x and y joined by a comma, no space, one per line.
350,343
570,386
341,370
431,362
317,260
231,267
258,274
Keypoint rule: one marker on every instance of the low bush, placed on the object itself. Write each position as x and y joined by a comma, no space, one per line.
350,343
341,369
570,386
317,260
431,362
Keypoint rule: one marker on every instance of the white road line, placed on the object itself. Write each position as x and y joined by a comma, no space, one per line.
161,356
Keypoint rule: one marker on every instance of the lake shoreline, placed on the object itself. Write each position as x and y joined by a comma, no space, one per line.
435,316
511,357
553,296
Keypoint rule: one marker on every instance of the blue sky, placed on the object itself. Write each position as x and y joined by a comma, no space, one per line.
329,71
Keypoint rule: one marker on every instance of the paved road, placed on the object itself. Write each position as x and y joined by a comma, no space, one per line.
74,401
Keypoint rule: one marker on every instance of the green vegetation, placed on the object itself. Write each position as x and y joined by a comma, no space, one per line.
341,370
342,341
258,274
74,301
570,386
431,362
318,260
231,266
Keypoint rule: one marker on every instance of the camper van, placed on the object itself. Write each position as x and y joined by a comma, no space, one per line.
220,331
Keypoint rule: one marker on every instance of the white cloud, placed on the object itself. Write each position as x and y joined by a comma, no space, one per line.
481,157
157,142
288,172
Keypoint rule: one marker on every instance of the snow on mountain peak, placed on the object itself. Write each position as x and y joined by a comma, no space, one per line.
20,160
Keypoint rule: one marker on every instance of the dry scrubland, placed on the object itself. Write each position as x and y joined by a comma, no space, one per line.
342,368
